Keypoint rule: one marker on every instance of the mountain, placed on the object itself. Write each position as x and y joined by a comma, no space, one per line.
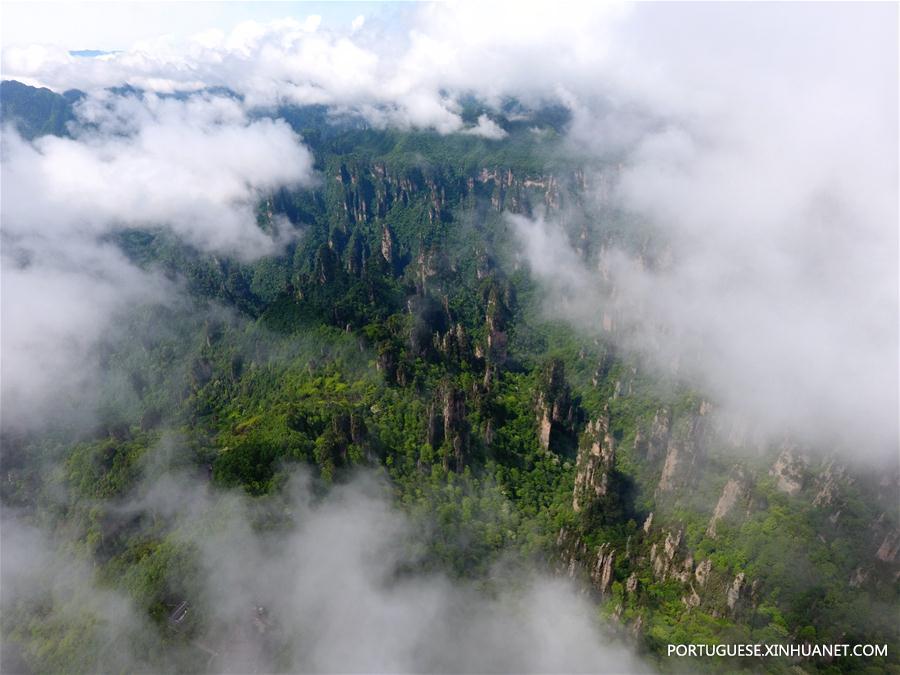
400,332
36,112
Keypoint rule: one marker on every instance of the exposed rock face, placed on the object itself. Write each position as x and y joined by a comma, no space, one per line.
858,578
889,548
601,574
735,591
702,572
693,599
545,426
682,454
447,427
827,484
369,191
671,544
668,561
454,343
631,584
456,428
495,325
435,426
325,264
687,569
787,472
596,459
733,490
577,557
554,403
654,445
662,559
387,244
670,467
355,254
429,264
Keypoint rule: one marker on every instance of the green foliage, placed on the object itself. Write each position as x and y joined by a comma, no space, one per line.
35,112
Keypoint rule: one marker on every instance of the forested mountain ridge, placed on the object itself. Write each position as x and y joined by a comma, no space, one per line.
399,330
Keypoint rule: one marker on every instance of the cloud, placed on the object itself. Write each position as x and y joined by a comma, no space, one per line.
197,166
38,571
758,253
487,128
337,584
404,78
59,300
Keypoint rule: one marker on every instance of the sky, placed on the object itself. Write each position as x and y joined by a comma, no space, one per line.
112,26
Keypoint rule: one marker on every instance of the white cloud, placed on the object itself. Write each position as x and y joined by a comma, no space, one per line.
197,166
768,187
59,299
447,49
486,128
339,587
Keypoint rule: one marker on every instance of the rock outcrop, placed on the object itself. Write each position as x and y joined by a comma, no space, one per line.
736,590
682,453
554,407
596,460
828,484
654,444
387,244
602,571
447,427
890,547
733,491
787,471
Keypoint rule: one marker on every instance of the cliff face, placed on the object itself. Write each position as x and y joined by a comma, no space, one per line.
652,444
684,452
787,471
555,410
691,547
596,461
734,492
447,427
368,191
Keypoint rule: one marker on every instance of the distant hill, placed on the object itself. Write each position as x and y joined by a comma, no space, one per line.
36,112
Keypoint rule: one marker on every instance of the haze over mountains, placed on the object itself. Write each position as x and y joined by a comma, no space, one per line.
591,303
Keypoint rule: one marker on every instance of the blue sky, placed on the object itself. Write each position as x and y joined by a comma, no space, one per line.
117,25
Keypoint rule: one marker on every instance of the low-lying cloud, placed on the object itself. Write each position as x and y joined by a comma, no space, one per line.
197,166
766,270
331,588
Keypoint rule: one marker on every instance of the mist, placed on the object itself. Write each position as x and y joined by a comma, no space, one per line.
299,582
197,167
772,197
